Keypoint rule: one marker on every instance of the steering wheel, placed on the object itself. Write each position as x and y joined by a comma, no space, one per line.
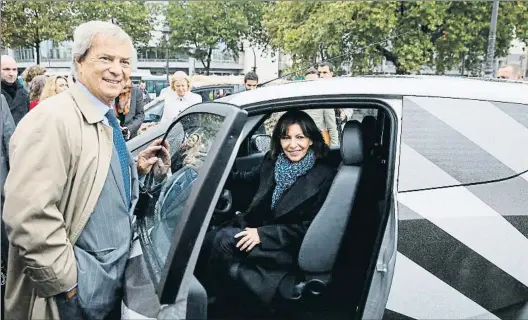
225,202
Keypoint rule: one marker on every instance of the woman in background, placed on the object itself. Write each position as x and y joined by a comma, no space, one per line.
129,110
54,85
35,90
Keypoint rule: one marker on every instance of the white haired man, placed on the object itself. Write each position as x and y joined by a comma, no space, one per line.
72,188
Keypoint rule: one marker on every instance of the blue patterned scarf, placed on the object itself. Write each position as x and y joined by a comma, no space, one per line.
287,172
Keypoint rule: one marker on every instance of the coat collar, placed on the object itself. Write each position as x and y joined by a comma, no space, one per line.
90,111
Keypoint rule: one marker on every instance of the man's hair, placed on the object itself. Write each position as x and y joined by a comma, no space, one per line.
86,32
310,71
30,73
326,64
142,81
251,76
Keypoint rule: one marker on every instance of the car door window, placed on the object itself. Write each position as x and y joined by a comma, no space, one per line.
200,142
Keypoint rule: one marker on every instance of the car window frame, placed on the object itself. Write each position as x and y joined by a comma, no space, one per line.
206,189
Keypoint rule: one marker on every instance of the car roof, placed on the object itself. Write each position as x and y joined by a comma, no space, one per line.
418,85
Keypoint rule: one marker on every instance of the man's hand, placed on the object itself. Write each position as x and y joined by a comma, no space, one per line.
148,159
127,136
250,239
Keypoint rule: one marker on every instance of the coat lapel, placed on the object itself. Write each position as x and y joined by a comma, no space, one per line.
303,189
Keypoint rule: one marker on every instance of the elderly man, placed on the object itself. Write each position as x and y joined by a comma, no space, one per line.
17,97
178,96
72,188
510,72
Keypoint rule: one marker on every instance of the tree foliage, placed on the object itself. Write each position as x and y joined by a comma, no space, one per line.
135,17
199,27
28,23
408,34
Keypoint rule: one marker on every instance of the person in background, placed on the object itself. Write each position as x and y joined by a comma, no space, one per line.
129,110
324,118
251,81
54,85
30,73
69,245
326,71
16,96
35,90
179,96
7,126
510,72
144,93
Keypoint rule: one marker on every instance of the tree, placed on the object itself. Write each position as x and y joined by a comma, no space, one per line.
135,17
199,27
27,24
408,34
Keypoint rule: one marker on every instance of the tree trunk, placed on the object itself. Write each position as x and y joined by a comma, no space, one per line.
209,54
37,45
37,48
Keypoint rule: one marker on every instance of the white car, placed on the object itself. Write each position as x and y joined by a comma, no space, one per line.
426,219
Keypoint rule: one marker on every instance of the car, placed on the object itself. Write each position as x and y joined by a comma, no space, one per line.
426,217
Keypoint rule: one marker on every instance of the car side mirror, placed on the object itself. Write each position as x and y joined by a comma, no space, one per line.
260,142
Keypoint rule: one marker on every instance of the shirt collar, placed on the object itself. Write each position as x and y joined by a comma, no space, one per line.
101,106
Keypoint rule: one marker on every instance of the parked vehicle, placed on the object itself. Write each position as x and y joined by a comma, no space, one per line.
426,218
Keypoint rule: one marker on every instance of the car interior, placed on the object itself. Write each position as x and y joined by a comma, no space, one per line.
330,282
337,256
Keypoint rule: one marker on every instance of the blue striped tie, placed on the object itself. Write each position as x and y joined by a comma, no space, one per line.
122,151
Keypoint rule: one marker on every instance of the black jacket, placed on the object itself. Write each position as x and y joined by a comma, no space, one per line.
136,115
282,230
19,105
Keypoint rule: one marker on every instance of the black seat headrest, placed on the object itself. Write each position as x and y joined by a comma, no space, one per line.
368,127
352,144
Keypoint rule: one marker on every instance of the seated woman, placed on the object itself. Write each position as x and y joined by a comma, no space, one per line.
293,183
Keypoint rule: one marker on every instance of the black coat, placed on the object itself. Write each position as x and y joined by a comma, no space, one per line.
282,230
19,105
136,115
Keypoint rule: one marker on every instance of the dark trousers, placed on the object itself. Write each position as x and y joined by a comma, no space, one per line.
218,253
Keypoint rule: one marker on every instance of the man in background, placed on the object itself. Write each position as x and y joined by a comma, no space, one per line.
16,96
251,81
510,72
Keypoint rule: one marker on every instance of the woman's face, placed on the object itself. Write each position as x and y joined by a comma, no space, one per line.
61,85
127,87
295,144
181,87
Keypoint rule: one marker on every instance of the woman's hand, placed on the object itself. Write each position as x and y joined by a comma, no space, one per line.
250,239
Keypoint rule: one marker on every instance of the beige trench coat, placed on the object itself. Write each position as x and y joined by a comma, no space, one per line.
60,154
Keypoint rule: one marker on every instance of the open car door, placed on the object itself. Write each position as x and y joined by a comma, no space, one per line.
174,211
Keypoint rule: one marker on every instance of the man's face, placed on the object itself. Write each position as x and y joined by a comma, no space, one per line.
507,73
324,72
9,70
142,85
251,84
106,68
312,76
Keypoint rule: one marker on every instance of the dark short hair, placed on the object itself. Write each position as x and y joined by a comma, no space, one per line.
251,76
326,64
310,71
308,127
